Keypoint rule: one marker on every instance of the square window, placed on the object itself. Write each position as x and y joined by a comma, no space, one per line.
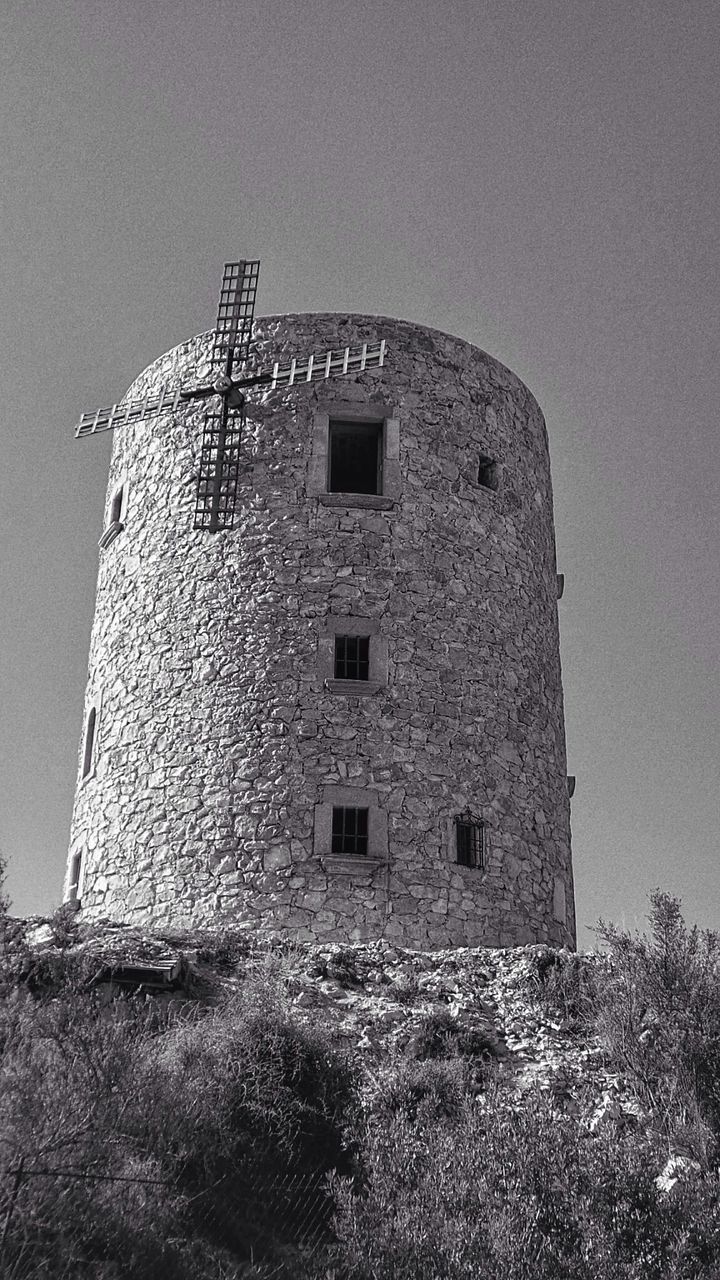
470,841
352,657
355,457
487,472
350,831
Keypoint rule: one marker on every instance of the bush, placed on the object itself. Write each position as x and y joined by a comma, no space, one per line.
427,1091
442,1036
245,1079
142,1154
405,988
659,1017
499,1193
566,988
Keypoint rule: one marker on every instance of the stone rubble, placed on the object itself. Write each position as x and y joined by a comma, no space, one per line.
374,997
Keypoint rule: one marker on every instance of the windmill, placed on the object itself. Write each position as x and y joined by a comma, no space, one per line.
222,431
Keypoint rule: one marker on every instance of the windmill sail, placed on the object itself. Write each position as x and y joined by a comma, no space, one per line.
314,368
233,328
219,469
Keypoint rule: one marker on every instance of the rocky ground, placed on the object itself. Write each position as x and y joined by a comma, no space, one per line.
376,997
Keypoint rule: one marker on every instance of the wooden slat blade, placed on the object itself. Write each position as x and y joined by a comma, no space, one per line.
129,412
317,368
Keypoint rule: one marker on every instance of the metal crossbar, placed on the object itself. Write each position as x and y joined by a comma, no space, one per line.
233,328
350,831
470,839
352,657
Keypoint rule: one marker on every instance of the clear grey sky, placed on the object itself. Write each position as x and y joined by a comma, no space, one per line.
539,177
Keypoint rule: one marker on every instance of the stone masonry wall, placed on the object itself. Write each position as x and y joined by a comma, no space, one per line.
222,741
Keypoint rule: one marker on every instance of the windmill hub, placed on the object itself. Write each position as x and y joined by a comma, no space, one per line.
222,431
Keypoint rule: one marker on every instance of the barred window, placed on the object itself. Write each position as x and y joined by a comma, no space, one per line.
350,831
352,657
470,841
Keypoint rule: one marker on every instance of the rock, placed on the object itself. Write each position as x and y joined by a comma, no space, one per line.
677,1169
41,935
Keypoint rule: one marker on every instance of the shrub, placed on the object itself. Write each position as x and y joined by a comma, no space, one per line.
341,965
405,988
145,1153
659,1015
499,1192
65,925
224,948
442,1036
567,988
428,1091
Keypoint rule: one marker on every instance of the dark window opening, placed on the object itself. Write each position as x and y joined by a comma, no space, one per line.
470,839
487,472
352,657
89,742
74,878
355,457
116,506
350,831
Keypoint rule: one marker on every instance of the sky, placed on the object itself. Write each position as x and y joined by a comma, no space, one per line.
539,177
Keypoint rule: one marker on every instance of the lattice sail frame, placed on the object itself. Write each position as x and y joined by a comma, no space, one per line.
219,470
233,328
314,368
222,430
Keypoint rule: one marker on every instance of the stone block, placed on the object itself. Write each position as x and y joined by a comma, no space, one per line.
276,857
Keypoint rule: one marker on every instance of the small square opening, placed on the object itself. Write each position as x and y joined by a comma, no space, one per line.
355,457
487,472
350,831
352,657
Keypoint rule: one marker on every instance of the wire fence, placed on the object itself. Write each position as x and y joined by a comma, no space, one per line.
251,1224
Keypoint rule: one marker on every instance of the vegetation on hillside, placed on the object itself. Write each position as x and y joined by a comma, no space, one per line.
220,1138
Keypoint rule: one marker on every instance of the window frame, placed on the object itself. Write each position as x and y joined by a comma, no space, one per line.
353,625
373,412
353,830
74,882
491,467
351,654
477,851
116,514
94,708
335,796
374,430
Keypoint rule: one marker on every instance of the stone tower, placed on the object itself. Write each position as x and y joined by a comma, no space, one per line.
342,717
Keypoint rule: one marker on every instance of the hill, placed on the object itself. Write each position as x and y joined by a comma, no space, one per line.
229,1103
